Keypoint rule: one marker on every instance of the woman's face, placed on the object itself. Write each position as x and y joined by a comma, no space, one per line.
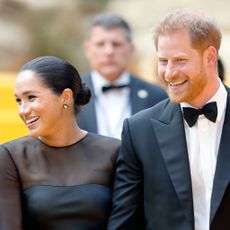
38,106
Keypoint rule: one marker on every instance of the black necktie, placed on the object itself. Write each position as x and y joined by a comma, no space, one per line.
109,87
191,114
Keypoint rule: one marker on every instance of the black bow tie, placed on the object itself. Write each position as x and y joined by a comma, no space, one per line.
109,87
209,111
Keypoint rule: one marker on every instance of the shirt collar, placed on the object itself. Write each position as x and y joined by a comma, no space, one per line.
99,81
220,98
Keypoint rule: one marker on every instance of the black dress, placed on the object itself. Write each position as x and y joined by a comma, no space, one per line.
56,188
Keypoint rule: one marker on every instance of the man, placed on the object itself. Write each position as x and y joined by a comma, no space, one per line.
116,93
178,170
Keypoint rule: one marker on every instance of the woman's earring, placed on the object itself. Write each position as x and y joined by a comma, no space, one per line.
65,106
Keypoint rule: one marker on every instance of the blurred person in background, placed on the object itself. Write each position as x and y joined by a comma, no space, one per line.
116,93
59,177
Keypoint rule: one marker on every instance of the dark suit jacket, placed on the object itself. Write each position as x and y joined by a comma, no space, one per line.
87,116
153,173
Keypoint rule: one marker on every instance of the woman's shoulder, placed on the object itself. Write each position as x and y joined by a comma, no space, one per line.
17,145
20,141
96,139
102,146
13,151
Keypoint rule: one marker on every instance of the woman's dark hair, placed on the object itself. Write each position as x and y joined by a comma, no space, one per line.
58,75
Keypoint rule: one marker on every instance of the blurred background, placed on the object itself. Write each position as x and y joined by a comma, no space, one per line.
31,28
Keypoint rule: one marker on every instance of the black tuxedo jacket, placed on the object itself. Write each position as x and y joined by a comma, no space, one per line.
87,117
153,174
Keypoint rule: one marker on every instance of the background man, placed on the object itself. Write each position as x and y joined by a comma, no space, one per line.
116,93
175,157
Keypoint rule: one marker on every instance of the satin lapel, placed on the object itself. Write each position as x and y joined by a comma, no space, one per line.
222,174
169,130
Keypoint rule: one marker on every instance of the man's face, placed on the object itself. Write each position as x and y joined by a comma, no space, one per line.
181,68
108,51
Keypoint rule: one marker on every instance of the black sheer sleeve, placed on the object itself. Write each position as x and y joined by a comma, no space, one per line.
10,202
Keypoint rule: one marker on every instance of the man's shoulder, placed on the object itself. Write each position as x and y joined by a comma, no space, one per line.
86,77
152,88
142,82
142,121
151,113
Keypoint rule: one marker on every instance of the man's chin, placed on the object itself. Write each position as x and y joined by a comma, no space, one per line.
176,99
111,75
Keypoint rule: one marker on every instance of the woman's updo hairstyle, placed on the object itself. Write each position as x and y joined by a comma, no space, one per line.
58,75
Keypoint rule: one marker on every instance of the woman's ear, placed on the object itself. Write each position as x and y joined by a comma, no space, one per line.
67,96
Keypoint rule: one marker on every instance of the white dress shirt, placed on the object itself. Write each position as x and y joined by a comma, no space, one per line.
113,106
203,141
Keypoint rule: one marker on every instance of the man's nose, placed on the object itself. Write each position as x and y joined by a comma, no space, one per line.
109,48
170,71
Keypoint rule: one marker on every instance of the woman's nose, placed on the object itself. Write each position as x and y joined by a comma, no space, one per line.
23,109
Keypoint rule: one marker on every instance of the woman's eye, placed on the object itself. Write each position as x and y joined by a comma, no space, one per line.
18,101
31,97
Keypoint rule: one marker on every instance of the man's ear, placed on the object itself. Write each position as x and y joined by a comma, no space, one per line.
210,55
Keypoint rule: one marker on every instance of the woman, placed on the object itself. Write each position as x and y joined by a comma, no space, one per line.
59,177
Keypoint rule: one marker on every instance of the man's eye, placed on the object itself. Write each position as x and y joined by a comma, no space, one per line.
99,44
117,44
163,62
180,60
